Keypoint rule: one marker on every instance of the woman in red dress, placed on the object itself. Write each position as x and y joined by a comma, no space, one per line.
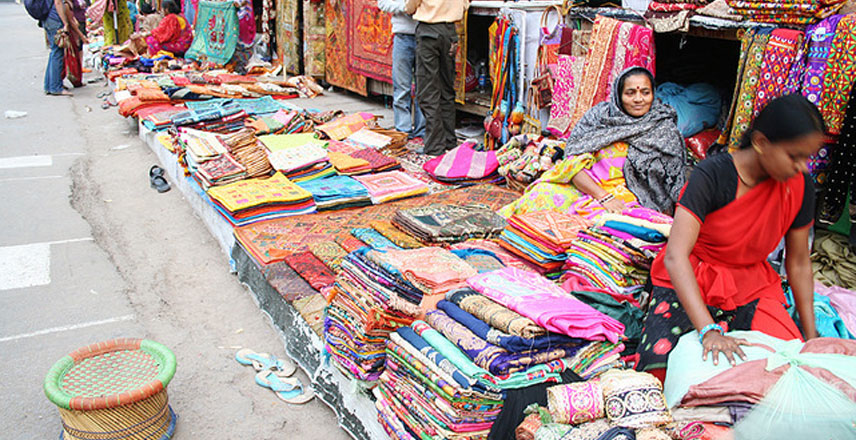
173,34
734,210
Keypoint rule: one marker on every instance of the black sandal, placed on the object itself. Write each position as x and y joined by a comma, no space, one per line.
155,171
159,183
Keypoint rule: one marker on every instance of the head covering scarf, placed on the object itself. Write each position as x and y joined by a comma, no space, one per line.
655,170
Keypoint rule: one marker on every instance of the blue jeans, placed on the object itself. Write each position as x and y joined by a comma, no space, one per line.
56,60
403,66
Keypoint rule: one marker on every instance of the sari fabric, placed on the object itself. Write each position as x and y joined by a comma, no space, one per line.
498,316
779,55
547,304
752,60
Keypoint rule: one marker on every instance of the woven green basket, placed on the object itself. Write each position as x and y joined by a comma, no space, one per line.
114,390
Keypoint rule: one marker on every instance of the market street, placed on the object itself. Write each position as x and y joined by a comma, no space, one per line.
89,252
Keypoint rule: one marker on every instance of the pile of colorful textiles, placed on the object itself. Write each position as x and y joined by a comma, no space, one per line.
225,118
337,192
252,200
615,254
463,165
281,122
391,185
247,150
798,12
441,223
378,291
542,238
300,157
219,171
199,146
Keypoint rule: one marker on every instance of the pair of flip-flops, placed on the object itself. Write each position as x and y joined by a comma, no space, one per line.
157,180
275,374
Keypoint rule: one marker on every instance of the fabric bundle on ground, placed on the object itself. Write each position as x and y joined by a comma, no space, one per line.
252,200
542,237
463,165
440,223
392,185
337,192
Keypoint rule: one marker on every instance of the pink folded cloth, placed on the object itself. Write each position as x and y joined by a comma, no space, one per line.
542,301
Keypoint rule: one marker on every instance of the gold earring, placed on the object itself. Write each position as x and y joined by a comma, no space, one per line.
757,149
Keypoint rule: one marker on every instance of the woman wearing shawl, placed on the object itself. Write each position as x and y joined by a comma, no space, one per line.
623,152
173,34
713,274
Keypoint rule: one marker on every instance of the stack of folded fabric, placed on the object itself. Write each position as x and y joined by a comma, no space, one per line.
366,138
423,393
798,12
378,161
247,150
441,223
337,192
392,185
542,238
463,165
377,292
220,119
200,146
340,154
252,200
615,254
219,171
301,157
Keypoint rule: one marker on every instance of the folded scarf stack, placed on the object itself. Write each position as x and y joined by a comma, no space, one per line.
253,200
542,238
391,185
377,292
441,223
337,192
615,254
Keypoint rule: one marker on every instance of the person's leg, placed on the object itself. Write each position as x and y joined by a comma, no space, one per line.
428,88
408,59
447,86
124,27
56,60
401,78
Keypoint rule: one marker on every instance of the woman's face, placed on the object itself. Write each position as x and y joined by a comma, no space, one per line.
785,159
638,95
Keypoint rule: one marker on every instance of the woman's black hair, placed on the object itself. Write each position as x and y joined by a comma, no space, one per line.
171,7
146,7
784,118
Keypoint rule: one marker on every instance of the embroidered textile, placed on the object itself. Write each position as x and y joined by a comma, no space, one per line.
391,185
752,61
336,49
329,252
839,75
634,399
576,403
779,56
395,235
369,40
215,34
256,192
311,269
437,223
819,39
373,239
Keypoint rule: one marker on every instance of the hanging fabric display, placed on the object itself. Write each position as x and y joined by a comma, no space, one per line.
752,61
839,75
779,55
507,110
216,36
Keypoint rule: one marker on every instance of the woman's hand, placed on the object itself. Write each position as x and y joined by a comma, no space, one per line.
716,343
615,205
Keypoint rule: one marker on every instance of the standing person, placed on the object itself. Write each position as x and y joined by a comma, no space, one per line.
406,113
713,274
436,44
56,21
73,57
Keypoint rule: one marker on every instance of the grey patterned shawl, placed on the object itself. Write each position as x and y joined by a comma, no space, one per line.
655,170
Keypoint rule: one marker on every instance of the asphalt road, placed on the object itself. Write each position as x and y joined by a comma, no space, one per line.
89,252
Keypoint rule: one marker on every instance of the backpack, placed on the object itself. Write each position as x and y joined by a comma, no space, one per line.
38,9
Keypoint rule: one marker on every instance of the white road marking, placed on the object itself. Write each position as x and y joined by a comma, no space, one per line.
66,328
17,179
28,265
25,265
25,161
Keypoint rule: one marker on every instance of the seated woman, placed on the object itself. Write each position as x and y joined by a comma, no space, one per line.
173,34
713,275
623,152
150,17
